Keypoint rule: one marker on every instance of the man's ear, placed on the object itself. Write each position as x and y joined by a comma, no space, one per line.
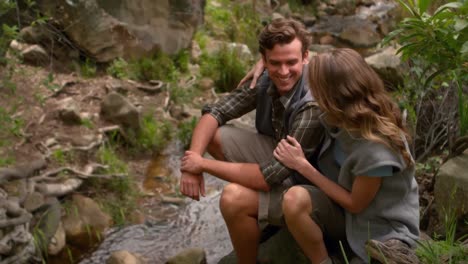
264,59
305,57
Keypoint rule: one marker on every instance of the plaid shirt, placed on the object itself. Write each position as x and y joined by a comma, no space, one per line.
306,127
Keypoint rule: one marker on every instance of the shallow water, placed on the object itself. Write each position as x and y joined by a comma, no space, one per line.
195,224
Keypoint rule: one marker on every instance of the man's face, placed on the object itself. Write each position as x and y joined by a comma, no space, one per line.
285,63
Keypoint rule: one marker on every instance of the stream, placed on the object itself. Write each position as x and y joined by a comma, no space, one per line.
193,224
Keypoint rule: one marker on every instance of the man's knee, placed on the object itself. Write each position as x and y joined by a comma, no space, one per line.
296,201
233,200
214,146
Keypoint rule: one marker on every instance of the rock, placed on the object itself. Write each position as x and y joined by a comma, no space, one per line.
124,257
107,30
57,243
33,201
195,52
451,187
327,40
361,34
69,112
206,84
189,256
387,63
35,55
34,34
117,109
242,51
84,221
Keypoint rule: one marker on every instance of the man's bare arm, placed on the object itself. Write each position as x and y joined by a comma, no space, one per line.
245,174
192,184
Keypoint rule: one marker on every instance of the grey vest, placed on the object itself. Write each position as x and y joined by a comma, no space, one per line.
394,212
301,96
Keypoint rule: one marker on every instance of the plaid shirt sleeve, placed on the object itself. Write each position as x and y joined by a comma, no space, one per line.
236,104
308,131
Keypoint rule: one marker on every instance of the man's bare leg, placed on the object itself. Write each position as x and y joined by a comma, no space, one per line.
239,207
297,207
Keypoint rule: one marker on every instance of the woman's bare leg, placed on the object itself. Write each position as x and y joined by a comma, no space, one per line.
239,207
297,207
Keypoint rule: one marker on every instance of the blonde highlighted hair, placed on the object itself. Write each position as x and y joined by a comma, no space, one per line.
354,98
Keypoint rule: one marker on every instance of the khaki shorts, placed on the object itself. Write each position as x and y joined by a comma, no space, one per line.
241,145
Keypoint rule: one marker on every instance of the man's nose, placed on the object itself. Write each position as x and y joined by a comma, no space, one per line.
284,69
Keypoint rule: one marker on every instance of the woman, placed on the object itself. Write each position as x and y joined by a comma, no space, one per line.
363,168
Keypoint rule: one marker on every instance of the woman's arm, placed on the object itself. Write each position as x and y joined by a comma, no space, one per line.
363,191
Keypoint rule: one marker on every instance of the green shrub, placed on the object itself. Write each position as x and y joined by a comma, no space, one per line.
185,131
119,68
157,67
153,135
88,68
224,67
182,60
436,49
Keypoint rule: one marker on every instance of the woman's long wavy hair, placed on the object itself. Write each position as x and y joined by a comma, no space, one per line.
354,98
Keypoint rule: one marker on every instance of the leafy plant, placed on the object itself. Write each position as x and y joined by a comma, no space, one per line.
225,67
436,48
448,250
185,130
119,68
158,67
88,68
153,135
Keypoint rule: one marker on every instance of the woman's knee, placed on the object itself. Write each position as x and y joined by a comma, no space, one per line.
296,201
236,199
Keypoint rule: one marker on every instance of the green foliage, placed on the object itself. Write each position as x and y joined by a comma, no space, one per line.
59,156
49,83
107,156
88,68
436,48
448,250
182,60
158,67
440,39
233,21
182,95
8,33
119,68
6,161
463,111
185,130
153,135
11,126
87,123
225,67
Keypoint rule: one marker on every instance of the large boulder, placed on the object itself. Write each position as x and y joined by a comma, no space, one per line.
106,30
451,187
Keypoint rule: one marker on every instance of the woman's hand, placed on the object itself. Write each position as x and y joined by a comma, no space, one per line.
289,152
192,162
254,73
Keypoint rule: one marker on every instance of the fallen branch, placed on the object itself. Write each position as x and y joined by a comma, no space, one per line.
47,176
21,171
59,189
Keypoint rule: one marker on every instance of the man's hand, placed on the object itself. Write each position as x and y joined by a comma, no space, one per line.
192,185
191,162
254,73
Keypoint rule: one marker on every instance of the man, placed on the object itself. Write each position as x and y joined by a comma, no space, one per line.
284,106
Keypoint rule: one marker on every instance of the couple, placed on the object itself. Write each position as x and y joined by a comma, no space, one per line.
329,159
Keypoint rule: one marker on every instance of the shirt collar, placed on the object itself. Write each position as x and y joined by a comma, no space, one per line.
284,99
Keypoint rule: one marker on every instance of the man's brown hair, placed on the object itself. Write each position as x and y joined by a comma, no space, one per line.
283,31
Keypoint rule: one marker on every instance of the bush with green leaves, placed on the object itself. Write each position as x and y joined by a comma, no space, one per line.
233,21
436,49
224,67
153,135
185,130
